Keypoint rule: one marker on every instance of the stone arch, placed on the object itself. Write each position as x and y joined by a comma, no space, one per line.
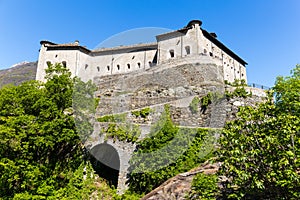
106,162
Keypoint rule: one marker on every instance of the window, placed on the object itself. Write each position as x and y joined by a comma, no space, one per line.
56,56
133,57
86,66
188,50
48,63
108,67
118,66
64,63
98,68
172,54
128,66
211,54
139,65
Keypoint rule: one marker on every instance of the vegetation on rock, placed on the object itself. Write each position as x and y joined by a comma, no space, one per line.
168,151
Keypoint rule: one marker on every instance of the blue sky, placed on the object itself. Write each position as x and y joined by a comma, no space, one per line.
265,33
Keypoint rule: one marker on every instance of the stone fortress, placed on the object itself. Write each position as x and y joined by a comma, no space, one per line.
190,42
182,65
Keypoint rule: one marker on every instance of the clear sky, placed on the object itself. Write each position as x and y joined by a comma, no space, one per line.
265,33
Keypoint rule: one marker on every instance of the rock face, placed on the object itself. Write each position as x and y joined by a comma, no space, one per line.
179,186
18,73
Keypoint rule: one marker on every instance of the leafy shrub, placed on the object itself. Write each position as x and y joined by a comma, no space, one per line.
113,118
236,83
194,105
167,151
127,132
238,92
143,112
204,186
205,101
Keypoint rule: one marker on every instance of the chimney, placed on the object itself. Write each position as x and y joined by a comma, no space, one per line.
214,35
76,42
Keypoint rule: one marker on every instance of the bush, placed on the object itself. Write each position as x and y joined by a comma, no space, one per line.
168,151
194,105
204,186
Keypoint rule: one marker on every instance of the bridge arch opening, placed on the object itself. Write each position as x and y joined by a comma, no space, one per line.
106,162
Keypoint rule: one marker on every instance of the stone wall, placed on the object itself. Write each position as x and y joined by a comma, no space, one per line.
175,85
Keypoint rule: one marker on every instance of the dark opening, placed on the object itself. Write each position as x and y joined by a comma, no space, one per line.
106,163
118,66
128,65
98,68
172,54
211,54
64,63
188,50
139,65
108,67
86,66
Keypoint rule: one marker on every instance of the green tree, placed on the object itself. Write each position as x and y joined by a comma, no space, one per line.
39,145
260,150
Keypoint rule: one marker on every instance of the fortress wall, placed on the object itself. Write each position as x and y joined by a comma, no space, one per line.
174,48
56,56
115,63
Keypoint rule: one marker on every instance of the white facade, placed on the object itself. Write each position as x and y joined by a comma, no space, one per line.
190,41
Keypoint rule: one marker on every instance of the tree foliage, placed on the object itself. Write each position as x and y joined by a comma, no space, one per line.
260,150
168,151
40,149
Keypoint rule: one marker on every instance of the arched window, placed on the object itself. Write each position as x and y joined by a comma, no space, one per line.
64,63
139,65
108,67
118,66
98,68
188,50
86,66
128,66
172,54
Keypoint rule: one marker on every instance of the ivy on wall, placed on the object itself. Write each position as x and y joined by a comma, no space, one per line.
113,118
142,113
123,132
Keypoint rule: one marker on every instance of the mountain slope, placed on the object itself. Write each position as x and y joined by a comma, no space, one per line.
18,73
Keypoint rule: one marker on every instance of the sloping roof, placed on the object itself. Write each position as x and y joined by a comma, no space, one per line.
67,46
182,30
219,44
127,47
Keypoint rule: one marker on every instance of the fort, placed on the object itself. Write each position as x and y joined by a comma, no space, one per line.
189,42
181,66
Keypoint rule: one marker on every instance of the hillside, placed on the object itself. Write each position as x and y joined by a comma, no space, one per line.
18,73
